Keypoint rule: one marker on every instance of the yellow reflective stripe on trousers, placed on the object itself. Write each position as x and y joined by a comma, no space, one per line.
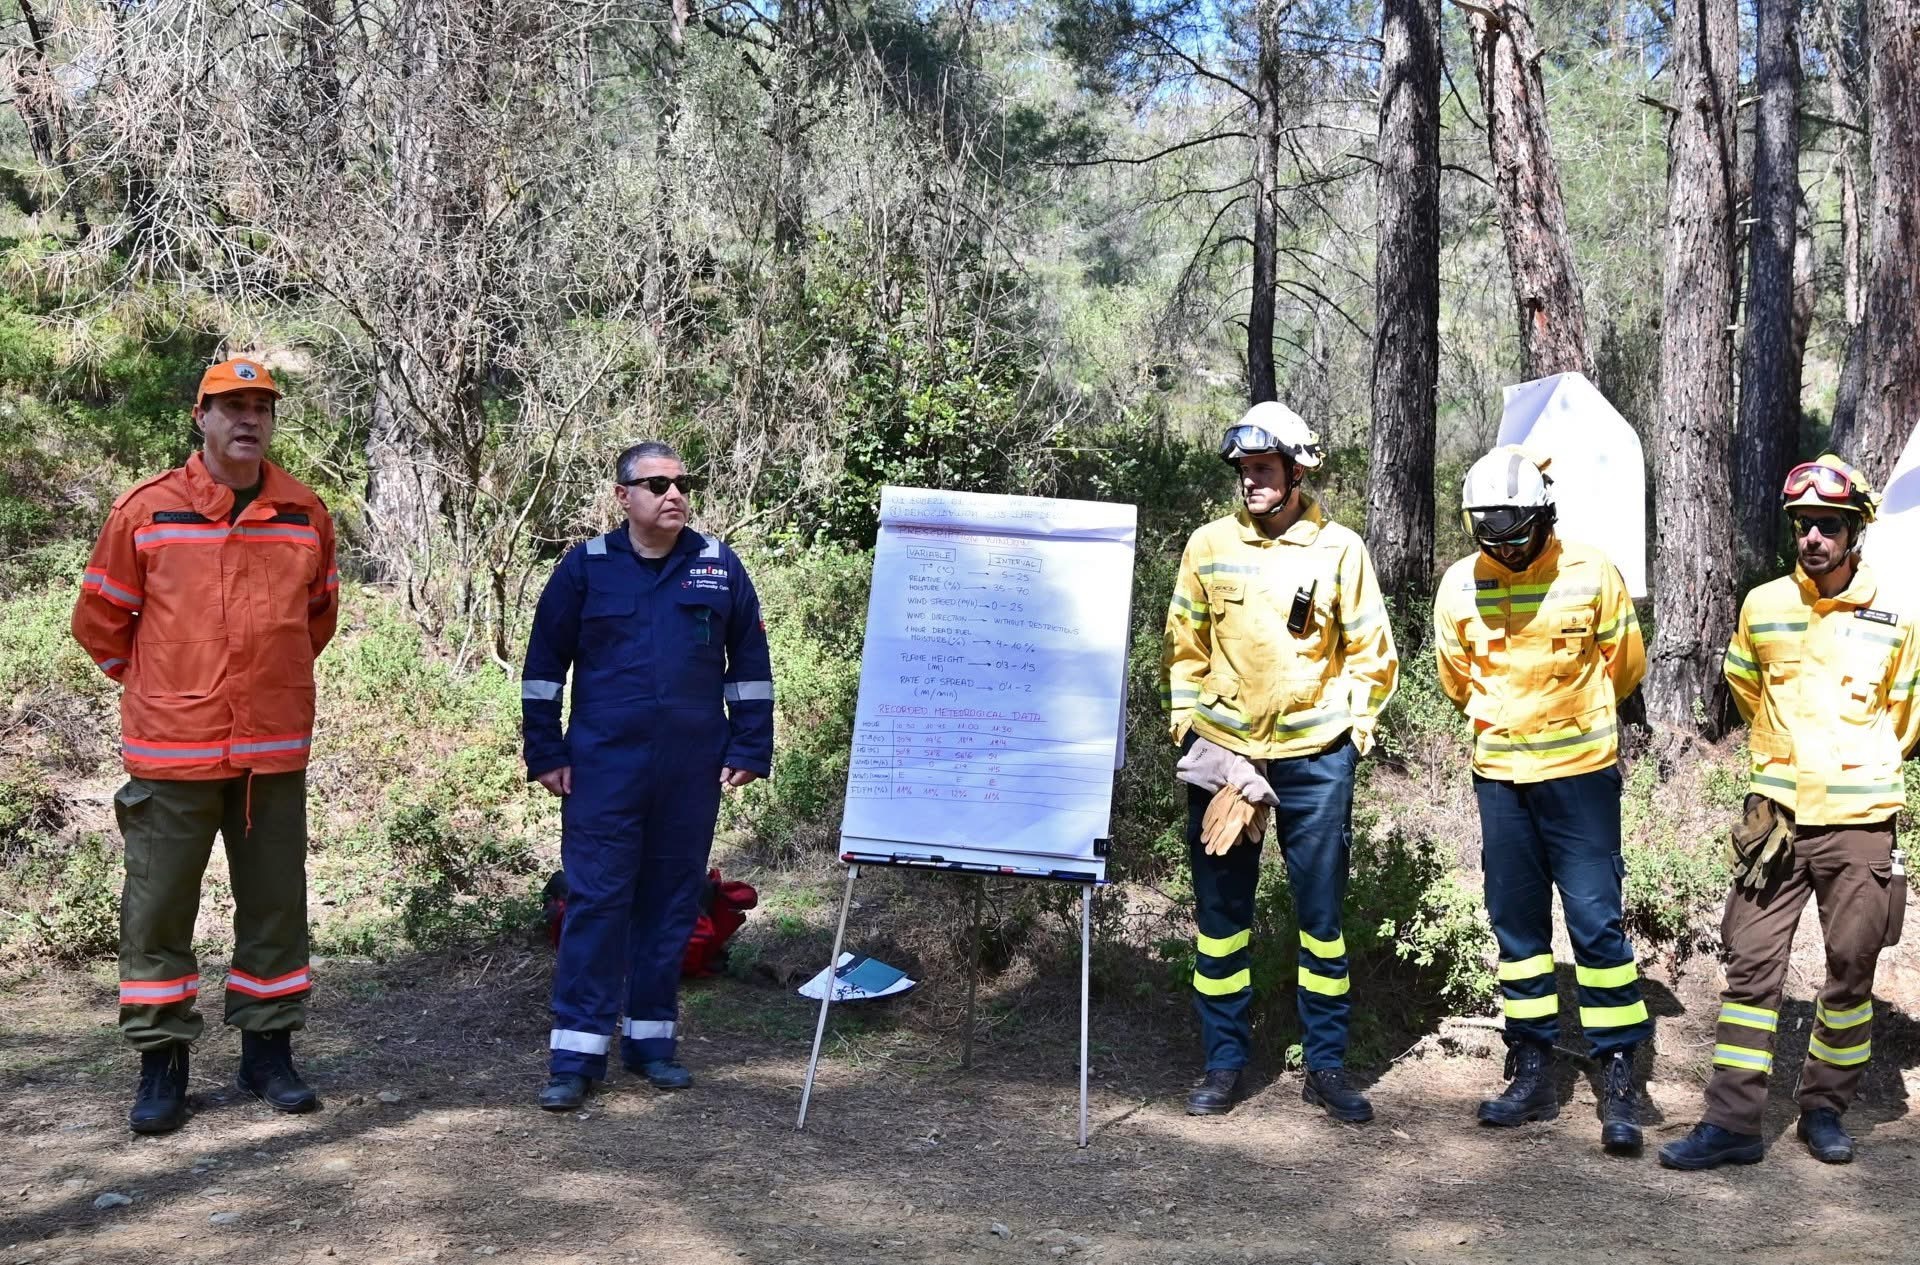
1613,1016
1334,948
1530,1007
1219,947
1741,1057
1325,985
1221,987
1527,968
1607,976
1840,1055
1851,1018
1750,1016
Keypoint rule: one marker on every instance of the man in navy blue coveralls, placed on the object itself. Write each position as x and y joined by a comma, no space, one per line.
660,626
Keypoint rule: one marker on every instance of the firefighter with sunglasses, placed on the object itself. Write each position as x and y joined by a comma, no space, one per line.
1279,659
1825,676
672,695
1538,643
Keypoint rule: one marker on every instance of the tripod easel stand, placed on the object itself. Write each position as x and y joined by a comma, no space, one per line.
973,979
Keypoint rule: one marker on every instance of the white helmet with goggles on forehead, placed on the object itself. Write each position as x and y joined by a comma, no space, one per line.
1271,427
1507,497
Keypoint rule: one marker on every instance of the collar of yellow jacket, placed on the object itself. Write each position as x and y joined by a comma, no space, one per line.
1305,529
1547,563
1859,591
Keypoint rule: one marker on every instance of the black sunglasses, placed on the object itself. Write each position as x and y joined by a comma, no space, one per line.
659,483
1830,525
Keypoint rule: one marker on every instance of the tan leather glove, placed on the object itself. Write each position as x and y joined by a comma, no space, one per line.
1762,840
1210,766
1229,819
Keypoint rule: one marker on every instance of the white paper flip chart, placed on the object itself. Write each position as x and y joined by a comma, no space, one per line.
1599,471
988,725
1892,545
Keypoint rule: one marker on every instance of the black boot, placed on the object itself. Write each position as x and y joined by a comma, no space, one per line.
564,1091
1820,1129
1328,1090
1215,1095
160,1104
1529,1094
267,1072
1710,1146
1620,1107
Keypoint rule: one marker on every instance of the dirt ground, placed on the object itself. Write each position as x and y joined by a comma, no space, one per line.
429,1148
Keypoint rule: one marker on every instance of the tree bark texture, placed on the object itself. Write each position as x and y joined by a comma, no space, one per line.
1693,565
1840,39
1769,384
1261,382
1890,381
1533,215
1406,334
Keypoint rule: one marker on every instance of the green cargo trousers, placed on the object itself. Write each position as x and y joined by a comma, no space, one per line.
169,829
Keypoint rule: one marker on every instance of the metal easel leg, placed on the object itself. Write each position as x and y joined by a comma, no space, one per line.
1086,976
820,1028
973,974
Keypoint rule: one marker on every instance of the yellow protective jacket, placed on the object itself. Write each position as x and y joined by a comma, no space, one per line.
1827,687
1237,676
1539,659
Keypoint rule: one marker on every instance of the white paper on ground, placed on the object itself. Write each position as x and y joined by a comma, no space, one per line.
990,681
849,989
1892,545
1599,472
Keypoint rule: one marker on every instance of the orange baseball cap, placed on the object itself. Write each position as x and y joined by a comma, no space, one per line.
235,375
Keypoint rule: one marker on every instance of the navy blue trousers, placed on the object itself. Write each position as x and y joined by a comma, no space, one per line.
1563,833
635,836
1314,827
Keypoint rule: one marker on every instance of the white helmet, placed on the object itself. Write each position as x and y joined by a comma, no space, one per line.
1271,426
1505,494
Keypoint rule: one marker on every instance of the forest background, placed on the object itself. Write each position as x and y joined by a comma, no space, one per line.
824,246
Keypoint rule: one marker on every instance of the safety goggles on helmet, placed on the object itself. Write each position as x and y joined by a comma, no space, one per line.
1504,525
1828,482
1249,440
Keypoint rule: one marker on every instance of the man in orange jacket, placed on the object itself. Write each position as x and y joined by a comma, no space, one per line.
209,593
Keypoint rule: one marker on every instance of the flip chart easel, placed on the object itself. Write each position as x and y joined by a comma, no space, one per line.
992,705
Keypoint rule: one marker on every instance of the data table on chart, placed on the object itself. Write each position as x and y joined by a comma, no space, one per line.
990,684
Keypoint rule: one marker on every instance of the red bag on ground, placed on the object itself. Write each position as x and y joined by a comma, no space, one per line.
723,911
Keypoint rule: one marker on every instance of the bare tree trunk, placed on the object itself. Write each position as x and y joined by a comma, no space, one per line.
1406,335
1693,571
1890,384
1261,382
1533,215
1806,298
1769,385
1840,48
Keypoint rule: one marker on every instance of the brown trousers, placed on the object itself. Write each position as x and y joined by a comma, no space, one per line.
1848,870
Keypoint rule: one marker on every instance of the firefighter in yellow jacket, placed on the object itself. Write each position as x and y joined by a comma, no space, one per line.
1538,642
1825,675
1279,658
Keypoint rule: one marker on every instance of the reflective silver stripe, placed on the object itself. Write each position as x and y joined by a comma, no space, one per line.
278,744
181,533
539,691
172,753
649,1029
750,691
578,1042
108,665
110,589
304,534
598,548
713,546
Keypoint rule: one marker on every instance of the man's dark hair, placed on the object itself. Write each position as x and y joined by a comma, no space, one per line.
629,461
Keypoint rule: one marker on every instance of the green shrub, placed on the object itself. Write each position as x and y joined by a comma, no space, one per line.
81,919
1673,890
815,606
460,890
